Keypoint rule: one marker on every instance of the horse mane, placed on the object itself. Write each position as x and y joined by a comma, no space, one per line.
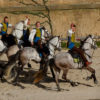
82,42
52,37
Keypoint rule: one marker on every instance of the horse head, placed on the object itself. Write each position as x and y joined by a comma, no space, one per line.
89,42
92,42
56,42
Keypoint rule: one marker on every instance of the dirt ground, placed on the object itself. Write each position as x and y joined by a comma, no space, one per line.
26,90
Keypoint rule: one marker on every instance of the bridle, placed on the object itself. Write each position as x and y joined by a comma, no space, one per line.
92,47
56,44
18,29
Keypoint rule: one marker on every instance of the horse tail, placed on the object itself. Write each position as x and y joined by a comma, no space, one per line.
10,66
2,67
40,74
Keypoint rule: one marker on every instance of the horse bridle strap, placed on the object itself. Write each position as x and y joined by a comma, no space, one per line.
54,45
88,55
90,43
18,29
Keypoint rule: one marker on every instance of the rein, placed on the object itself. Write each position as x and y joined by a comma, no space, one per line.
53,46
88,49
18,29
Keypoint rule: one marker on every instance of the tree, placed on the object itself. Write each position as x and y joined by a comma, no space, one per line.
43,13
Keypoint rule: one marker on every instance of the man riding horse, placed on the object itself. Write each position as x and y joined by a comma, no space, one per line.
37,38
72,47
7,38
26,32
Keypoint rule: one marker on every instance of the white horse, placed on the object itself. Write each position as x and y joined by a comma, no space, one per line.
18,31
28,53
2,46
64,61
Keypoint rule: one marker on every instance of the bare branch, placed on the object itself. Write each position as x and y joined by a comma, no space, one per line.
22,2
40,14
39,4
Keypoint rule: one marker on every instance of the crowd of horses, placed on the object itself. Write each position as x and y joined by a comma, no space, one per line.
20,57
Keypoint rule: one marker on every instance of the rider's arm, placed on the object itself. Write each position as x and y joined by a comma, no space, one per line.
10,25
43,37
32,35
1,26
47,32
69,33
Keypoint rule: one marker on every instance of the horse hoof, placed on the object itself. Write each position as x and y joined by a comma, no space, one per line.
74,84
59,89
95,82
88,78
29,66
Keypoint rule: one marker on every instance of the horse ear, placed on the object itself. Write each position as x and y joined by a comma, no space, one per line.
90,35
58,36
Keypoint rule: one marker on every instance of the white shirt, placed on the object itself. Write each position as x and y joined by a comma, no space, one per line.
33,33
70,32
25,24
9,25
1,25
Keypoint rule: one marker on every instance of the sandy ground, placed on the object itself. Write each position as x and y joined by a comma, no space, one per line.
47,90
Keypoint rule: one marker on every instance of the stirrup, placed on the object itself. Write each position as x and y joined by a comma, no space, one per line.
88,63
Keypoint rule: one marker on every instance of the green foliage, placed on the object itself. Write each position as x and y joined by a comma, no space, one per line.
64,44
98,43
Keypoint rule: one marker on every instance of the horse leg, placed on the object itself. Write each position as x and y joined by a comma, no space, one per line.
29,65
53,75
51,65
64,76
93,74
57,72
1,74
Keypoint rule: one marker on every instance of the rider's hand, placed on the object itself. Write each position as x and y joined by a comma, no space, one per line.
0,36
32,43
13,27
78,39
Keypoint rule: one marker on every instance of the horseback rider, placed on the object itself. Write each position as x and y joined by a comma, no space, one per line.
7,38
72,47
4,26
21,32
37,38
26,32
71,34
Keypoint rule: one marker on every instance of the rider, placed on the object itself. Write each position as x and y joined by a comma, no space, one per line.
36,37
72,47
7,38
71,34
4,26
26,31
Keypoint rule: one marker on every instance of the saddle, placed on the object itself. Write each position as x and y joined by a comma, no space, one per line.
42,50
76,57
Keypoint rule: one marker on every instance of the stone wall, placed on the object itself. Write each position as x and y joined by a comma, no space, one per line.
86,20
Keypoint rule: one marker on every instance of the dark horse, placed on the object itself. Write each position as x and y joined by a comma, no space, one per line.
8,40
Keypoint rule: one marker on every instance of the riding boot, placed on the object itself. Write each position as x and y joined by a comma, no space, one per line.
86,63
